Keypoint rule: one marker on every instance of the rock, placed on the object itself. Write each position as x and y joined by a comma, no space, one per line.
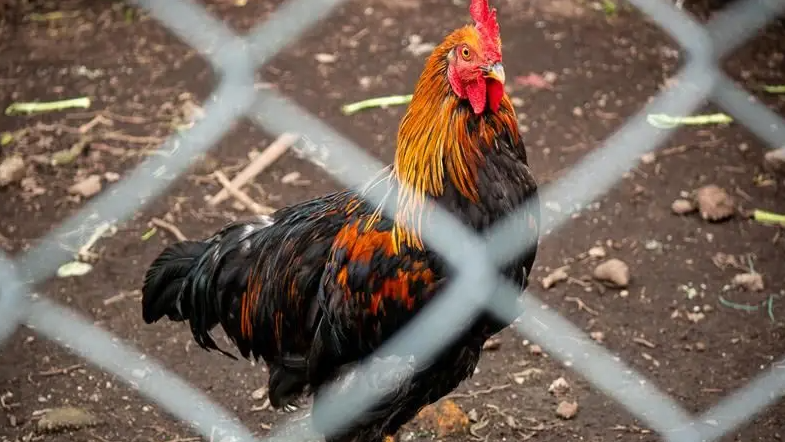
492,344
88,187
66,418
682,207
714,203
774,161
112,177
648,158
325,58
259,394
12,169
752,282
614,271
527,375
553,278
559,386
444,418
597,336
597,252
535,349
567,410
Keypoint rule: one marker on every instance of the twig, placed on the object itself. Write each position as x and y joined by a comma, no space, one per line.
116,136
474,394
171,228
98,119
644,342
261,162
57,371
116,298
581,305
84,251
241,196
393,100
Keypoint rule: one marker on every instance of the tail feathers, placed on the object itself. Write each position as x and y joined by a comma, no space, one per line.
164,281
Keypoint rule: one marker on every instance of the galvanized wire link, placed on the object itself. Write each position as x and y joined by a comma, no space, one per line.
475,259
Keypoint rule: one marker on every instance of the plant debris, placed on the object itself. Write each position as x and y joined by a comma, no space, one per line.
392,100
48,106
66,418
664,121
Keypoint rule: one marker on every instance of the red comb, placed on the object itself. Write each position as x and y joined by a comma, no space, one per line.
486,24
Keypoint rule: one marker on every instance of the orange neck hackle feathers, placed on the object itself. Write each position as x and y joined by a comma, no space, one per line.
435,142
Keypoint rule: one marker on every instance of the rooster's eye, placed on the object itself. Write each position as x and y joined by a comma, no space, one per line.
465,53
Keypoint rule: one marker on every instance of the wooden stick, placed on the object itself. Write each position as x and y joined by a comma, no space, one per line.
267,157
171,228
241,196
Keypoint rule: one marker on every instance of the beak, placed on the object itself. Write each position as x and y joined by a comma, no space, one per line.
496,72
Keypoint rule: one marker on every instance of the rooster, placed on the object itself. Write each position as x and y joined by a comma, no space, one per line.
322,284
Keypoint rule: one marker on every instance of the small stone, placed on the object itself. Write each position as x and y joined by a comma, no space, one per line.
87,187
578,112
553,278
535,349
567,410
774,161
66,418
648,158
492,344
613,271
682,206
559,386
700,346
259,394
526,375
445,418
12,169
325,58
517,101
112,177
714,203
597,336
752,282
597,252
290,177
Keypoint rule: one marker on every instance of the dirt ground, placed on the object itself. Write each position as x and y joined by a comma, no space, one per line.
680,321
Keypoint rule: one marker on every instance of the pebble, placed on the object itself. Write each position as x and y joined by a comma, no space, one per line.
87,187
567,410
682,206
714,203
12,169
553,278
614,271
774,161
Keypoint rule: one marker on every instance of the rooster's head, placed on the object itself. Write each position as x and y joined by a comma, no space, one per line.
474,59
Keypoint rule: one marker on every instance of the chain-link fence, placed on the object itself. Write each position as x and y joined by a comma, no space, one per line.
236,58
